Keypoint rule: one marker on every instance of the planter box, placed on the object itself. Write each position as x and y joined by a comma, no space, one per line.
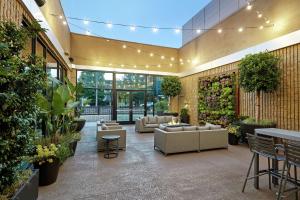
79,124
73,146
30,189
48,172
233,139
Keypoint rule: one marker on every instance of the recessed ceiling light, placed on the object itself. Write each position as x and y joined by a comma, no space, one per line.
109,25
259,15
261,27
151,54
220,30
177,31
198,31
85,22
124,46
162,57
241,29
139,51
64,22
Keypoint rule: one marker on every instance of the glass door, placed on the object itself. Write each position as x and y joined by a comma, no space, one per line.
123,106
138,105
130,106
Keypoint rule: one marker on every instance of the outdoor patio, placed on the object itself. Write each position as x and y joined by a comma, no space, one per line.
143,173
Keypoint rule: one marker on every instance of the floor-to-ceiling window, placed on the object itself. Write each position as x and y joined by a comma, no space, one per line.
124,96
97,94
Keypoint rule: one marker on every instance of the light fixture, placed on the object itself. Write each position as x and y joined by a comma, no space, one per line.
180,60
181,63
132,28
64,22
154,30
139,51
107,40
97,62
198,31
241,29
158,66
195,61
147,66
249,6
124,46
109,25
162,57
177,31
134,66
172,59
85,22
60,17
220,30
151,54
122,65
88,33
110,64
188,60
171,65
261,27
268,21
259,15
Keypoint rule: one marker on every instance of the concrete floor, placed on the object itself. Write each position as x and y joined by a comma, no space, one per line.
142,173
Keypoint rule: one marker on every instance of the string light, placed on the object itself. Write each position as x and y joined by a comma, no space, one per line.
158,66
147,66
268,21
85,22
151,54
240,29
61,17
172,58
171,65
132,28
65,22
154,30
198,31
110,64
109,25
261,27
220,30
124,46
139,51
249,6
259,15
162,57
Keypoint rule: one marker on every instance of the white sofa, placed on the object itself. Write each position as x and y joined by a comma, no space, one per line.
190,138
149,123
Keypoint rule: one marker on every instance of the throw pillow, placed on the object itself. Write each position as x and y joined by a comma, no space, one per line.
160,119
213,127
174,129
162,127
190,128
104,127
152,120
145,120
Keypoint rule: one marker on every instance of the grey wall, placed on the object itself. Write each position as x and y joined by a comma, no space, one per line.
215,12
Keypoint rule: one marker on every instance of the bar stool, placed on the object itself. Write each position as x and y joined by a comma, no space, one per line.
264,147
292,154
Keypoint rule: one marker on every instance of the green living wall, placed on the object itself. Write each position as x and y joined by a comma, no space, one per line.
217,99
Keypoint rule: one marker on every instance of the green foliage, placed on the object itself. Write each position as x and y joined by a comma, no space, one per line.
21,80
171,86
259,72
260,122
161,106
21,178
216,100
184,112
58,107
234,129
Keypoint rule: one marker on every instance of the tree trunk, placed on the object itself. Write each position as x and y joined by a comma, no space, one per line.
257,106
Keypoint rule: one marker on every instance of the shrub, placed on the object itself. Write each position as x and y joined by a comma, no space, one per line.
259,72
21,79
171,86
161,106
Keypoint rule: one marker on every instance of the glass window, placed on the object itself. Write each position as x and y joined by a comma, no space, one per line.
93,79
39,51
150,82
130,81
51,66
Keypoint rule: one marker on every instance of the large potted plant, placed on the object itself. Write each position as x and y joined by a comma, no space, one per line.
21,79
233,134
161,107
171,87
184,115
46,160
258,73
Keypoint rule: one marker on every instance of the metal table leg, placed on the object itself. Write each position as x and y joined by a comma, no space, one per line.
275,168
256,171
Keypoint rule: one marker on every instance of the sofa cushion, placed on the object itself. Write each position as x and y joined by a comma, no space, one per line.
152,120
190,128
168,119
151,126
174,129
203,128
104,127
162,127
160,119
213,127
145,120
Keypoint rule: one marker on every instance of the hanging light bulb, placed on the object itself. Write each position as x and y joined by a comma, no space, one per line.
109,25
124,46
241,29
177,31
220,30
85,22
132,28
139,51
154,30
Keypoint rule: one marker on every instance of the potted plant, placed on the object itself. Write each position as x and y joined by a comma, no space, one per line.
45,159
21,79
184,116
233,134
160,107
259,73
171,87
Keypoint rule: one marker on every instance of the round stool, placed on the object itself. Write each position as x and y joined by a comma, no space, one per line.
109,147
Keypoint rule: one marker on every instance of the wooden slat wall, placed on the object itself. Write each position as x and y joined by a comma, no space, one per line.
11,10
282,106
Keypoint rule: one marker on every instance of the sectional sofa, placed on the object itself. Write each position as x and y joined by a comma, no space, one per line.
191,138
149,123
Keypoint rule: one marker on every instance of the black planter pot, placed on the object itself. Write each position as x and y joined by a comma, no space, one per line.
250,128
73,146
40,3
30,189
48,172
233,139
79,124
185,119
